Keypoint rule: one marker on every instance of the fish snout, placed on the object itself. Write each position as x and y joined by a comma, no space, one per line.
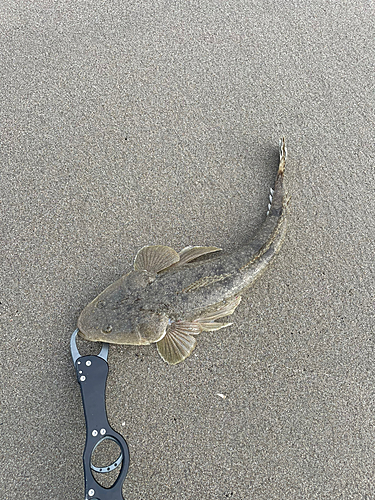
89,324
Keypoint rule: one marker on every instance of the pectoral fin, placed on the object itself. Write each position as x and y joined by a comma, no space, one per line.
178,343
155,258
190,253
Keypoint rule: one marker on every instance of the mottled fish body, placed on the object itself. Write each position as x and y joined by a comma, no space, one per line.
171,297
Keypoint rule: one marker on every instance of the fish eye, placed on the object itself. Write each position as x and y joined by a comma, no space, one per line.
107,329
101,304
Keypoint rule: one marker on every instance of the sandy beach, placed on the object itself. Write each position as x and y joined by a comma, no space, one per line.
126,124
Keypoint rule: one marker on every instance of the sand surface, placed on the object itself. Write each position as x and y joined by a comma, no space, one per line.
154,122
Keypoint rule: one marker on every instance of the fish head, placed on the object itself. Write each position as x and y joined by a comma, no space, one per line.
119,315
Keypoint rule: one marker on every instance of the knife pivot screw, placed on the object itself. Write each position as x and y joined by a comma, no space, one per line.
102,431
91,493
88,363
94,433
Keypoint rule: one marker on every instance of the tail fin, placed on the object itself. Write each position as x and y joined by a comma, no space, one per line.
283,153
276,197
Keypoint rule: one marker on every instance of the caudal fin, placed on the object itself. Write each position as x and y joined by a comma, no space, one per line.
283,154
276,197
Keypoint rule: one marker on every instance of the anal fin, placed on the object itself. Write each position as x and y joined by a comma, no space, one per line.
225,310
213,326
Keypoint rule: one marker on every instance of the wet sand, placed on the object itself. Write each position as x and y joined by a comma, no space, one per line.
126,124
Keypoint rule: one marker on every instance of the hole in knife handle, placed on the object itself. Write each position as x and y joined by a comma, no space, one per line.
106,458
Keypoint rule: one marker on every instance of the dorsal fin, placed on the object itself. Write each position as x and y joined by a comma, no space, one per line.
190,253
155,258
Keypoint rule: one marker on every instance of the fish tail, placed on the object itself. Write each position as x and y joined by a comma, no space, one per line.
277,194
283,154
255,268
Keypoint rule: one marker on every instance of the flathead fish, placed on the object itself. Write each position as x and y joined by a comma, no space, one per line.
170,297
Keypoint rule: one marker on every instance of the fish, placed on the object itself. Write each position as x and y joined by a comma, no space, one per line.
171,297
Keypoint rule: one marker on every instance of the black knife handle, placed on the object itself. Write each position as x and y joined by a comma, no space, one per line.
92,372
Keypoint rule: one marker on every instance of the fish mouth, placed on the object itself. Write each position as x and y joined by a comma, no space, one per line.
82,334
91,338
86,328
